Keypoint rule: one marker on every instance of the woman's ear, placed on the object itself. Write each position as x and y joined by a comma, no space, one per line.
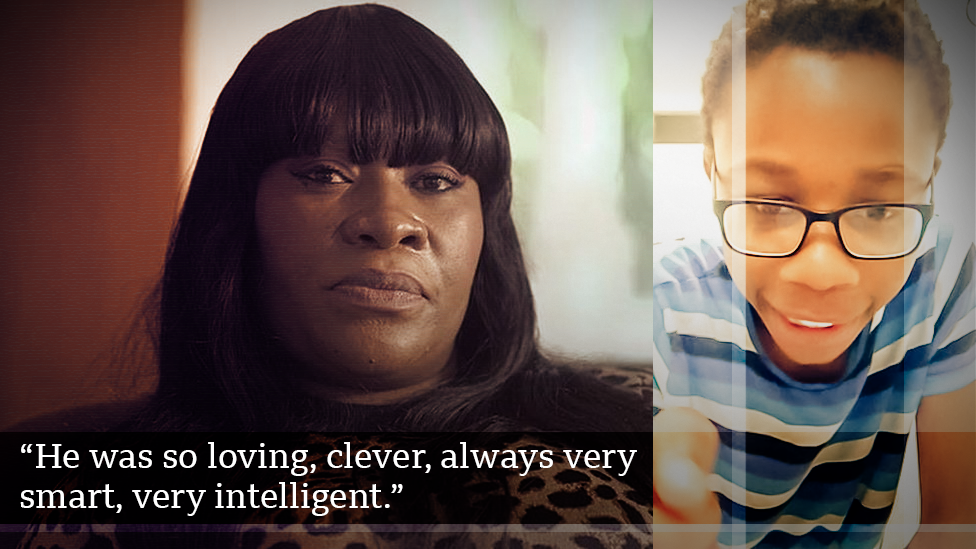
938,164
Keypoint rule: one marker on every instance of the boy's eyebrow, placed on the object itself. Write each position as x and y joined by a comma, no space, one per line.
770,167
882,174
896,179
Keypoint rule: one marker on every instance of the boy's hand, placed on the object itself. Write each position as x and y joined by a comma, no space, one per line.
685,448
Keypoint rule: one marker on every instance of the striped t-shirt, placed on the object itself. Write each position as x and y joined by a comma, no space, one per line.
810,464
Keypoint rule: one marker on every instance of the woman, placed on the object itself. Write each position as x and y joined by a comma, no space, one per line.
321,105
346,260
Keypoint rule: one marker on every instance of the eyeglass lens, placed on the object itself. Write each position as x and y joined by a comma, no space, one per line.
871,231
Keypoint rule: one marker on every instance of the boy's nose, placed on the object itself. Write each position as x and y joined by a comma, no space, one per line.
821,264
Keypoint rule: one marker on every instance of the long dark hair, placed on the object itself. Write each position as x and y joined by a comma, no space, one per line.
404,95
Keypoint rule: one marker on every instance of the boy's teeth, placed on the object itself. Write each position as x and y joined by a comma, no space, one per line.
811,324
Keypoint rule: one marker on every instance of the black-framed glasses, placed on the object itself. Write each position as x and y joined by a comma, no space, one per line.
770,228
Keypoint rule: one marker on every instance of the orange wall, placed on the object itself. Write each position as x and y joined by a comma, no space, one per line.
89,143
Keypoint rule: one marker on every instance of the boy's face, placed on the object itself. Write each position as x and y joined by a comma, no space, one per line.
823,132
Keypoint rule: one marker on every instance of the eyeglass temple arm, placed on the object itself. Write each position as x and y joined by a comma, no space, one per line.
712,178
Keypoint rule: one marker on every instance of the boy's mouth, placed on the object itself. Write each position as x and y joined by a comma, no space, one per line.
809,323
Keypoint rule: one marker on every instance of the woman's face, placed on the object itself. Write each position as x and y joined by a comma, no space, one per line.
367,269
824,132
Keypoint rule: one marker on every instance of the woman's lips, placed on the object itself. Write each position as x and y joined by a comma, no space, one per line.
376,289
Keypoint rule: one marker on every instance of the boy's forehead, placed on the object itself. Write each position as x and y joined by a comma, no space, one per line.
875,125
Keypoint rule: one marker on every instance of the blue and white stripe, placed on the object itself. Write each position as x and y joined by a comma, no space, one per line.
810,465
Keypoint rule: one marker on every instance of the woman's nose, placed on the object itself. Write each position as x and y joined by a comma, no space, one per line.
821,264
384,215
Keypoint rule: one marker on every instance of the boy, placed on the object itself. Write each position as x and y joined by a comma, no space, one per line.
835,313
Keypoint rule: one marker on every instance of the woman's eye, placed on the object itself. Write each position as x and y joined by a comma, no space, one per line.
436,183
322,175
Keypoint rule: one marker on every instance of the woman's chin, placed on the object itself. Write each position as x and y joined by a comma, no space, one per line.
372,379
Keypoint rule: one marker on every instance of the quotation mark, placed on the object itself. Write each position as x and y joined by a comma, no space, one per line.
397,489
26,448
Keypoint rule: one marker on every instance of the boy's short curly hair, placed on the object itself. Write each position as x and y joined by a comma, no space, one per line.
894,28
